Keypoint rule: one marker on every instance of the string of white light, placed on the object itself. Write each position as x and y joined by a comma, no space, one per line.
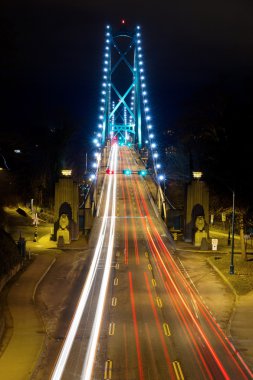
151,138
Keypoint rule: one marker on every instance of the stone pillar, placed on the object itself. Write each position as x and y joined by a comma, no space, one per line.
66,210
197,205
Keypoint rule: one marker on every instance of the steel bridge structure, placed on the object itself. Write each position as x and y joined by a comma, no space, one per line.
124,111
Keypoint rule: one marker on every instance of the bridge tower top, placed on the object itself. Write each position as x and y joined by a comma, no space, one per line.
124,111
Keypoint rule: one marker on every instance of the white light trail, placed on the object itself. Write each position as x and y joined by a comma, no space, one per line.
91,351
101,196
62,359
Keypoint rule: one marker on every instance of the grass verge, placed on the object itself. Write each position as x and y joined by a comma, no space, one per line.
242,279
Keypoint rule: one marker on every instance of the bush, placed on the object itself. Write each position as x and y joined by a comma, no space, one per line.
9,253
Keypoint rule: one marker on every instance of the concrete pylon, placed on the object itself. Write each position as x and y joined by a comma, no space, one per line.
197,205
66,210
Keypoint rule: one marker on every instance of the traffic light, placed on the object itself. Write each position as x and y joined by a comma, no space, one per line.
127,171
142,172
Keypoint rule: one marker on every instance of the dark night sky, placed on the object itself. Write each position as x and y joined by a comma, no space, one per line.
52,53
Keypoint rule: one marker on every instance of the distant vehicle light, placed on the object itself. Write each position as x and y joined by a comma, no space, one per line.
109,171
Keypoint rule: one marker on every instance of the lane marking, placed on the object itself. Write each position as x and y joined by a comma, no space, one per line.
116,281
166,329
153,282
114,301
117,266
111,328
150,267
159,302
178,370
108,370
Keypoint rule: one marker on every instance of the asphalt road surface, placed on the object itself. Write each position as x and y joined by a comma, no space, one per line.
138,316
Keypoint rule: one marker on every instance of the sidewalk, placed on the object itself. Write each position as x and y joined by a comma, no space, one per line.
26,342
26,335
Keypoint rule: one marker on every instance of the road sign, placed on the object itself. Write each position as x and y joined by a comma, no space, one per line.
35,219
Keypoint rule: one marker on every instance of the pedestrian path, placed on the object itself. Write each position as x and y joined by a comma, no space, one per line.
24,347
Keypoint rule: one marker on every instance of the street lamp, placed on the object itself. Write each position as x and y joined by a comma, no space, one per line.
229,228
162,178
197,175
231,271
66,172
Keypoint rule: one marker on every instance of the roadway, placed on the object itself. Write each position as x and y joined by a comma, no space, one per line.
138,316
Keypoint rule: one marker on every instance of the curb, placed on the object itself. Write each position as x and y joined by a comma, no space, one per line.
34,367
228,328
39,281
224,278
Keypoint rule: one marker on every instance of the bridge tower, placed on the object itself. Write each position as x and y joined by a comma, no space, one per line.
122,111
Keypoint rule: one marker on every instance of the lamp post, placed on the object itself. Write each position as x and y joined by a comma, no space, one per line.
231,271
229,227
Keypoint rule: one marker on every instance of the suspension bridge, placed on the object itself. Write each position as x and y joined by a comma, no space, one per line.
138,317
125,110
